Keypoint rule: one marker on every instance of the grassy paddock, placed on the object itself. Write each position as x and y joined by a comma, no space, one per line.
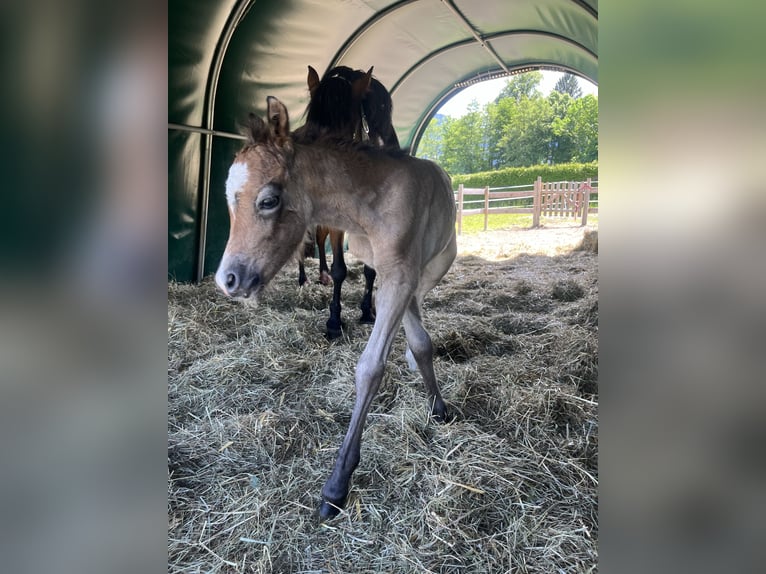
496,221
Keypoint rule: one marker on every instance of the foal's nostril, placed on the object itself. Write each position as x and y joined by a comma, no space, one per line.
231,281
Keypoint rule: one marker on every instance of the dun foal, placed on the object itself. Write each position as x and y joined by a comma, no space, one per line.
400,215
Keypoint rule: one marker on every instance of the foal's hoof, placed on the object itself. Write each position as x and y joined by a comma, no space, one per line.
328,510
441,414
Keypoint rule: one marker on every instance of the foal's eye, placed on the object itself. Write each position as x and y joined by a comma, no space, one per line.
268,203
269,198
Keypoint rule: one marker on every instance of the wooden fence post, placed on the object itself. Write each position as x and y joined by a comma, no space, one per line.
536,202
459,209
486,206
586,203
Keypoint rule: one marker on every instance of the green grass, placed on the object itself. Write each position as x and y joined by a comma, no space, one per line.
475,223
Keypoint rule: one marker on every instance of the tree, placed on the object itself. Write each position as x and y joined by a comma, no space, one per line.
581,125
521,86
560,146
568,84
520,128
525,131
431,144
465,142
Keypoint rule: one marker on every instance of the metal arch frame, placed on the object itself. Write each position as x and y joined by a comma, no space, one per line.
378,16
505,70
237,14
497,72
476,38
481,40
369,23
463,43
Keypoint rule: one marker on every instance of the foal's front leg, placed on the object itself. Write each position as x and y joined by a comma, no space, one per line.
392,301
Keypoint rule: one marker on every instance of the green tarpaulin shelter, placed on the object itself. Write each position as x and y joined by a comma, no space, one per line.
226,56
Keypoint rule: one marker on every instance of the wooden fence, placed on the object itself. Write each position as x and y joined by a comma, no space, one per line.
549,199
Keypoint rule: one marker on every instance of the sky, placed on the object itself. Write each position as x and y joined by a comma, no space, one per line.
485,92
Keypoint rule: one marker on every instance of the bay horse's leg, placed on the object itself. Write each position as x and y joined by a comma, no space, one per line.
368,317
338,272
301,274
393,299
308,251
321,236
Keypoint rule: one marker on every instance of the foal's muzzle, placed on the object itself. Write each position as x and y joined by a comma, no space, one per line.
237,279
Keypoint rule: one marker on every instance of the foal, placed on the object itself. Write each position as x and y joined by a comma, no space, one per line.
400,215
346,105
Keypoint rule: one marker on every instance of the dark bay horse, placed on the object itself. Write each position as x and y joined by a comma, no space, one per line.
346,105
399,212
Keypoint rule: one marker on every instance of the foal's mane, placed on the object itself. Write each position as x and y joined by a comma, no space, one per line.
260,133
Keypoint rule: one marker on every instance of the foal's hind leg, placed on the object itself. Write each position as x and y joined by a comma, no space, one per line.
338,272
420,347
368,317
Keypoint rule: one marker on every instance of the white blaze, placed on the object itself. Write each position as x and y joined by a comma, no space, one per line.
235,182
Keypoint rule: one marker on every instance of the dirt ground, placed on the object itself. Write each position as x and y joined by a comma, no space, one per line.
553,239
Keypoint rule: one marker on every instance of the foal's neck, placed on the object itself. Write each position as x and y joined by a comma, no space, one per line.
337,185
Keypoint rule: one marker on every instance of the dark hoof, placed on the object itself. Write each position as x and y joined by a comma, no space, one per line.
334,329
441,414
329,510
367,319
334,332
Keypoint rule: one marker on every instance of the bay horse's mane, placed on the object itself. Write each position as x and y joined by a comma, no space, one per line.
338,111
331,111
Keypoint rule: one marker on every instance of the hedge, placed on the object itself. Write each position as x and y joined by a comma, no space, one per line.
527,175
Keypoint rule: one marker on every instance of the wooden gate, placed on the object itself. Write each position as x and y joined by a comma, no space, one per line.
561,199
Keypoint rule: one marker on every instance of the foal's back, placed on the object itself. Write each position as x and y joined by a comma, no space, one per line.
402,205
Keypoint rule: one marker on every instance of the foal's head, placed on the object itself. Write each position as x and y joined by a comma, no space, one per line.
266,224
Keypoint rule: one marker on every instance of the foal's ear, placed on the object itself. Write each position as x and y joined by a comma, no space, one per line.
255,130
278,120
312,80
361,86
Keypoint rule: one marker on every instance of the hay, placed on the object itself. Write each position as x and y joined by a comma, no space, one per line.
259,401
589,241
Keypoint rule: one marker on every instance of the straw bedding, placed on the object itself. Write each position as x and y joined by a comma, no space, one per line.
259,401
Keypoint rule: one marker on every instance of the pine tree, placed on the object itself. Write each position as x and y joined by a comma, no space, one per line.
568,84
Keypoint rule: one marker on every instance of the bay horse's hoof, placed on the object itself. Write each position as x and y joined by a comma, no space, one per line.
367,319
324,278
328,510
334,332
